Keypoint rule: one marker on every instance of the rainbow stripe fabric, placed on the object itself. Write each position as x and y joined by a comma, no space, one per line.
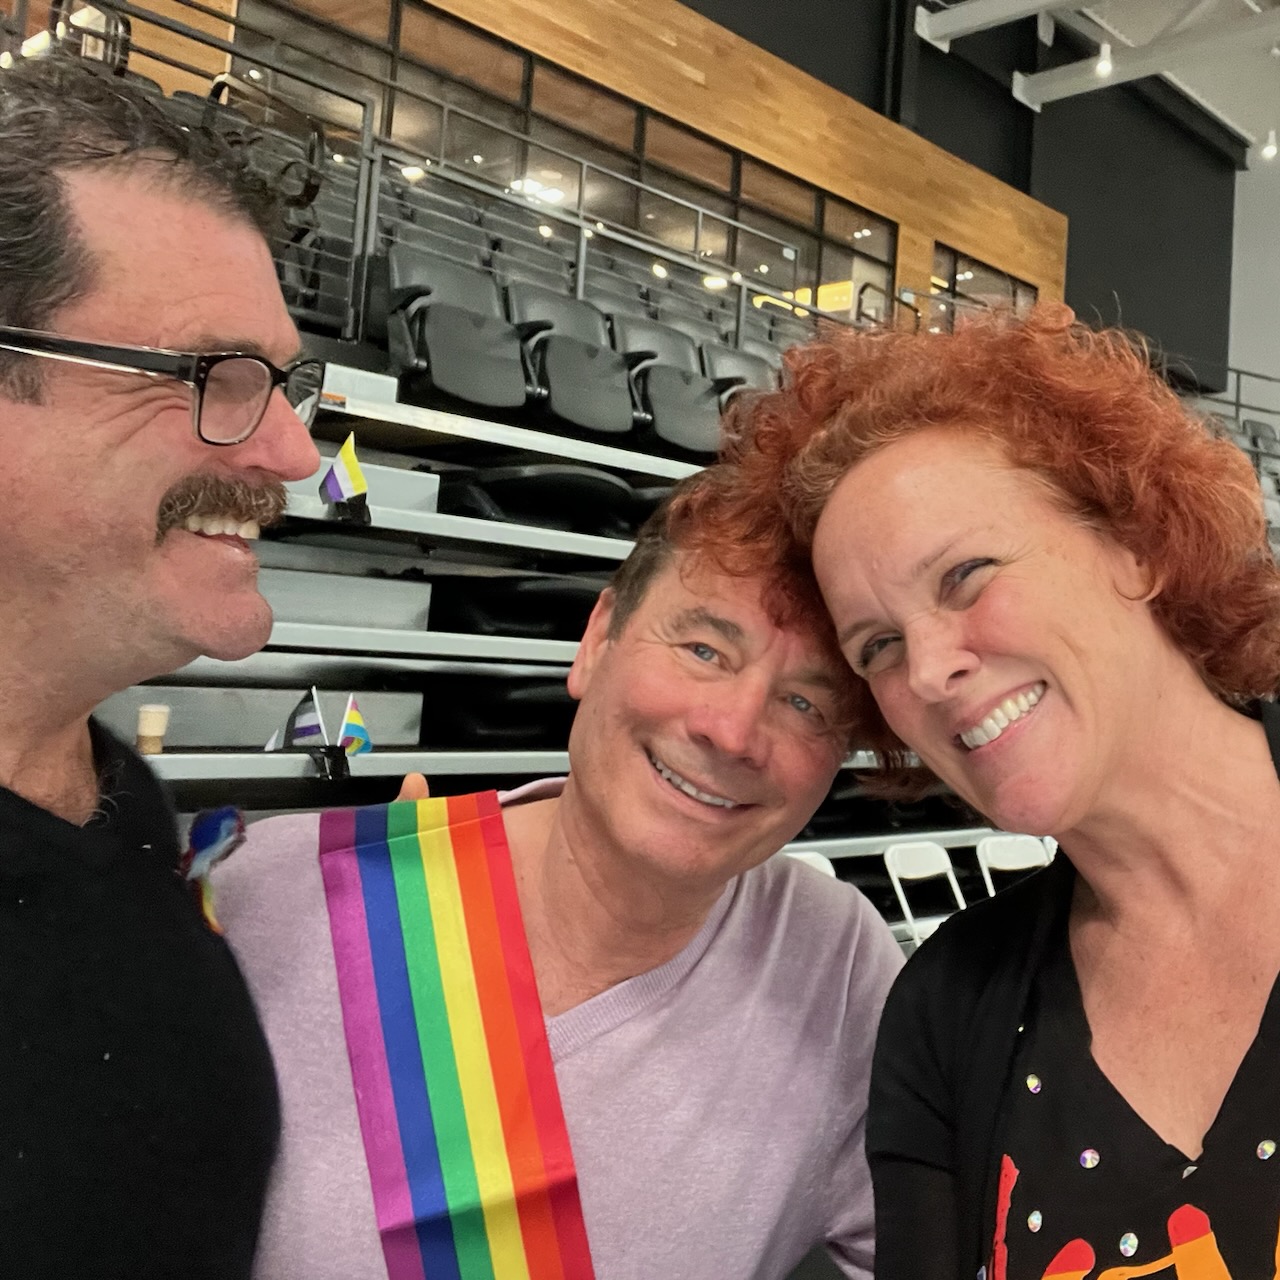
469,1157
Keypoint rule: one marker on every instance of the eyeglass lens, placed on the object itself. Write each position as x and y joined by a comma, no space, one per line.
237,392
303,389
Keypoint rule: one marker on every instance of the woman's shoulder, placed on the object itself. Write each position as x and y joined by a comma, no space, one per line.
951,970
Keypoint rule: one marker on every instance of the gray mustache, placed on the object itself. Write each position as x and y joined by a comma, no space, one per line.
219,496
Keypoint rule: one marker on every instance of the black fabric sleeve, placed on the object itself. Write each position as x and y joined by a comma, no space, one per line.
911,1122
916,1221
911,1110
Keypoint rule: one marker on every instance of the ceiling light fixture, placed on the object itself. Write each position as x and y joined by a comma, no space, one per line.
1269,150
413,173
764,268
477,158
659,270
1103,66
545,231
552,195
714,282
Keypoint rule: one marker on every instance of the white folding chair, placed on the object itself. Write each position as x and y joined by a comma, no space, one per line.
818,861
920,860
1010,853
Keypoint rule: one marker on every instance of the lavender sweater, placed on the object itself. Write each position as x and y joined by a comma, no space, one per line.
715,1105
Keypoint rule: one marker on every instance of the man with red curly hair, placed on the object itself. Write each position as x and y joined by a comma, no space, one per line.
1055,583
710,1009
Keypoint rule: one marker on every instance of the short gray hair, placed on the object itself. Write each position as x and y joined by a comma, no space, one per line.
58,114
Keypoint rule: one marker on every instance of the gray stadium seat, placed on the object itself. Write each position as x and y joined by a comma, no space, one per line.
764,350
448,333
585,379
682,404
543,270
720,362
694,324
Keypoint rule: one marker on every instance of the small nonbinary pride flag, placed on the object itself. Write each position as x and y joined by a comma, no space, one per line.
344,480
353,736
469,1159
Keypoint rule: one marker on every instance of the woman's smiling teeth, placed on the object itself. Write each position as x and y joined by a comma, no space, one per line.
689,789
1008,712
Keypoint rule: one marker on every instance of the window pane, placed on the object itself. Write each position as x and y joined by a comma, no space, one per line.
675,148
459,51
369,18
872,290
580,148
667,222
611,201
860,230
548,179
791,264
982,283
777,193
482,151
416,125
584,106
851,286
944,269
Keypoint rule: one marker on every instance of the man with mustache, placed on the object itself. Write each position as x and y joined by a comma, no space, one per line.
710,1009
148,377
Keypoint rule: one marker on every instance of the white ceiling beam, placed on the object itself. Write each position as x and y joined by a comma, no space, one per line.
1166,54
940,27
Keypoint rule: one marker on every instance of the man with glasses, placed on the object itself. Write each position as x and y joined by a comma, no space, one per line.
152,403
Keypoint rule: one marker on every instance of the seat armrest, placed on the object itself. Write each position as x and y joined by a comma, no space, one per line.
532,328
408,301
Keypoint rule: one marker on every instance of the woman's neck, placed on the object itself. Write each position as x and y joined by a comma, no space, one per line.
1186,825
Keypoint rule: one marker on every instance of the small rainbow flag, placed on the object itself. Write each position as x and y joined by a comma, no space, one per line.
469,1157
353,736
344,480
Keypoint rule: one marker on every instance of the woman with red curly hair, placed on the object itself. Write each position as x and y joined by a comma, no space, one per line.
1056,585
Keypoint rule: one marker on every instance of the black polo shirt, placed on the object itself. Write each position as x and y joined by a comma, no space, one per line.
138,1107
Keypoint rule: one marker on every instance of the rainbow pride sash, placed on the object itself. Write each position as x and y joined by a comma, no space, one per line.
469,1157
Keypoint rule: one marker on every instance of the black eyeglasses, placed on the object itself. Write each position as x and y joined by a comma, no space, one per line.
230,390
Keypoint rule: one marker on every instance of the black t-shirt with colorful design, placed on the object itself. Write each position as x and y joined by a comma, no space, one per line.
1089,1190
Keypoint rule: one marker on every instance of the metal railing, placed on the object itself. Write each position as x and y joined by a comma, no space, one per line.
322,256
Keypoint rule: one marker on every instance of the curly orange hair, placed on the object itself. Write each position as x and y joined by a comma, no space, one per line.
1084,410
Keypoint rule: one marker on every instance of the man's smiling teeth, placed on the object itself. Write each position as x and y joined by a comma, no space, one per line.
689,789
1007,713
212,526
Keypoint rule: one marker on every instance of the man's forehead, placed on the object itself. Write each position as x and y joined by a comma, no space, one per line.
171,269
697,589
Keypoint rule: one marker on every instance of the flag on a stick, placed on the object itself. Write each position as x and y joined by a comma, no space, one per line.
344,480
304,727
353,737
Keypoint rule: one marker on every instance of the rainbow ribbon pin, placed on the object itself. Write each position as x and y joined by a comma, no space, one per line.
469,1157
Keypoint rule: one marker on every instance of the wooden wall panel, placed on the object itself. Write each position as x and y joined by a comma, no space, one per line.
677,62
